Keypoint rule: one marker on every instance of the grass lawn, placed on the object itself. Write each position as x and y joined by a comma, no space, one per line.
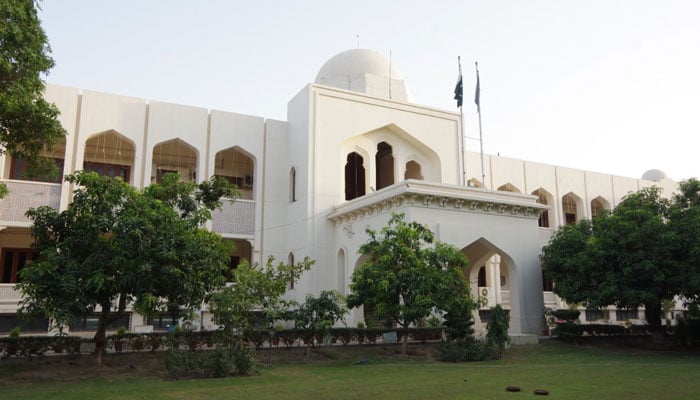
566,371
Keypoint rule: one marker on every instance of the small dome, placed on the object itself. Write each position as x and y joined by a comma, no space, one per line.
655,175
365,71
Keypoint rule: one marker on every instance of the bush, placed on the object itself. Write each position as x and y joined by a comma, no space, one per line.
467,349
566,315
687,332
244,359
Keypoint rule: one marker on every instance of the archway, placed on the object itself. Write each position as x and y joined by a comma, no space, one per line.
597,205
413,171
508,187
572,207
544,197
354,176
384,161
109,154
174,156
238,167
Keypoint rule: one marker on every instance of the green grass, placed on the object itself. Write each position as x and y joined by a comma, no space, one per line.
567,371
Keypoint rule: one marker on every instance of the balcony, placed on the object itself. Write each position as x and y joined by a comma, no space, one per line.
24,195
236,218
9,298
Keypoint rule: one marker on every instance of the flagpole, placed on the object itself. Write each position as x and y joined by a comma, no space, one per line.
461,121
477,100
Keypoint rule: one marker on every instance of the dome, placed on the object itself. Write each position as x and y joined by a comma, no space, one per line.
655,175
365,71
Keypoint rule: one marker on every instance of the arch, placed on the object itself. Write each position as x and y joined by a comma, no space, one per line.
340,271
572,208
508,187
546,198
475,183
354,176
490,271
176,156
597,205
292,185
243,253
238,167
109,154
413,171
384,161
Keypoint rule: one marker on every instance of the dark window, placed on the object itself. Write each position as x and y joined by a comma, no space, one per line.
13,260
354,177
482,277
162,322
570,218
110,170
547,285
594,315
543,222
384,160
233,264
18,169
9,321
623,315
91,323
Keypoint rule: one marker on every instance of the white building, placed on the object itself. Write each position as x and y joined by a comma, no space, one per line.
354,149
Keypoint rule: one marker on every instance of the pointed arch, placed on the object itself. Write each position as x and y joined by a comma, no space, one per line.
545,198
597,205
237,166
354,176
413,171
508,187
292,185
175,156
572,208
384,161
109,154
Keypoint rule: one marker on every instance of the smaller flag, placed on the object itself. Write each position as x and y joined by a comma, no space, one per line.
459,91
477,93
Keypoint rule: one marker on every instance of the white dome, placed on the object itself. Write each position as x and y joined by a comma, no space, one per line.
365,71
655,175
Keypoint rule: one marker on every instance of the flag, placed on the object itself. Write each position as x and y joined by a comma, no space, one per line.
459,91
477,93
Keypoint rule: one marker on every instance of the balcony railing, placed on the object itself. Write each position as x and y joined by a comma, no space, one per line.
235,218
24,195
505,297
8,293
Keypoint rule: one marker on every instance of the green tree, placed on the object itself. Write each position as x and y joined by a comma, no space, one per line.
628,257
114,245
684,219
254,289
28,124
317,315
497,329
407,277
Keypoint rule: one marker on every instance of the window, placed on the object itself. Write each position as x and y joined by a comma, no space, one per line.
110,170
290,262
547,285
354,176
624,315
91,323
8,322
292,185
13,260
19,167
594,315
384,160
162,321
482,277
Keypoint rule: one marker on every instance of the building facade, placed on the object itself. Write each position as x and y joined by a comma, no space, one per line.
354,149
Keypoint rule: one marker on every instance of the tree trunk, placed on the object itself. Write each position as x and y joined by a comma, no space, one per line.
101,335
653,317
404,342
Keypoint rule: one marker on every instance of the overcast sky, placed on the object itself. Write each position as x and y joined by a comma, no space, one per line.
601,85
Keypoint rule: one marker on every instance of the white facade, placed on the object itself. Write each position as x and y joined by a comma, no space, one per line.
353,150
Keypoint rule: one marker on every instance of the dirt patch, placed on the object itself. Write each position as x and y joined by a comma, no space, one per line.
149,364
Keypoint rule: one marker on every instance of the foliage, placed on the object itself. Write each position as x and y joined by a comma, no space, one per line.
115,244
570,330
467,349
28,124
31,346
566,315
642,253
687,332
408,277
317,315
497,328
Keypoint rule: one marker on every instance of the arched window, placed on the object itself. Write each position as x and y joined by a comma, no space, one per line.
290,262
597,205
340,271
385,165
354,176
482,277
292,185
571,205
413,171
543,198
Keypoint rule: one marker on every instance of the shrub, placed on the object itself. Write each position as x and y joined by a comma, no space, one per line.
566,315
467,349
244,359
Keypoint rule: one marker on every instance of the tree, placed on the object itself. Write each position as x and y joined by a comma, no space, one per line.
497,329
254,290
114,245
28,124
317,315
407,278
684,219
628,257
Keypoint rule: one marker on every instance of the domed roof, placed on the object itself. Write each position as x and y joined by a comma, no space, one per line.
655,175
364,71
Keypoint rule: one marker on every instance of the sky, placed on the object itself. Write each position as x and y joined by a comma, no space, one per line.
599,85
